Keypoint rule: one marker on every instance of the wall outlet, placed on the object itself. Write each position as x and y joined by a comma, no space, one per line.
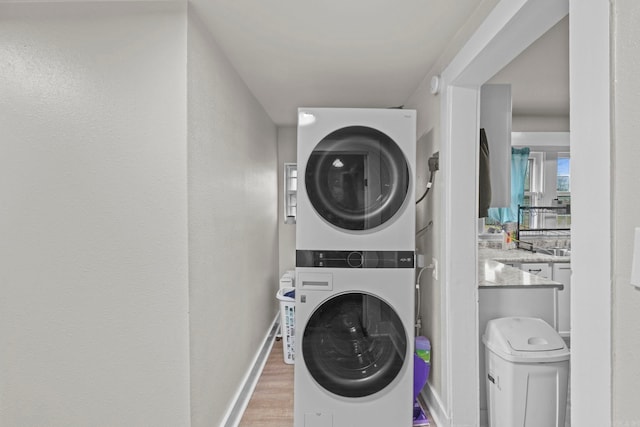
434,272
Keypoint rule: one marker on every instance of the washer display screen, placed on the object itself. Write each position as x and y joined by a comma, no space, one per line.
354,345
357,178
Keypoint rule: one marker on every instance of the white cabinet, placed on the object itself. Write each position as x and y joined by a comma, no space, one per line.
558,272
562,274
538,268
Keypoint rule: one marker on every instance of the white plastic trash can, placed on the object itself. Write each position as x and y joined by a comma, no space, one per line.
527,365
287,323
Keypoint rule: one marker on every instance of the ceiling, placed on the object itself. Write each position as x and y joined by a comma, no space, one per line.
332,53
356,53
539,77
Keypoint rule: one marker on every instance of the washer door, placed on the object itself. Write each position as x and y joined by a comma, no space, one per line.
354,345
357,178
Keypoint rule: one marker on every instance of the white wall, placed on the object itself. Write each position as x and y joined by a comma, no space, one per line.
233,231
540,124
592,235
626,213
287,153
429,242
93,219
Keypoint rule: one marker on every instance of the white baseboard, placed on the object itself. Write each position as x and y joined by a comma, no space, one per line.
243,395
436,409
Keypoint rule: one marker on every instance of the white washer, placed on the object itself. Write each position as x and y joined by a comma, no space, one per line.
354,346
356,173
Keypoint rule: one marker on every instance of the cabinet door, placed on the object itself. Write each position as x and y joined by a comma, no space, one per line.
537,268
562,274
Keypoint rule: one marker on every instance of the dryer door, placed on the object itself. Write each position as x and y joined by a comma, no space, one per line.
357,178
354,345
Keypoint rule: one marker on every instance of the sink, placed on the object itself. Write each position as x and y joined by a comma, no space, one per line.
554,251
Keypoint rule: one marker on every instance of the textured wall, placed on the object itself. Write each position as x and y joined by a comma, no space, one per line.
626,212
429,242
93,219
233,231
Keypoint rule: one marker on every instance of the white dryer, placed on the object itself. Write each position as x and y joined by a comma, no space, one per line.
356,170
355,342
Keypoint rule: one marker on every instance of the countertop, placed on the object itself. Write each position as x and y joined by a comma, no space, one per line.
519,255
492,273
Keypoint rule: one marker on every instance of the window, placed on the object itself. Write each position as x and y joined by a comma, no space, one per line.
527,182
554,190
563,182
290,192
529,195
533,179
563,188
548,179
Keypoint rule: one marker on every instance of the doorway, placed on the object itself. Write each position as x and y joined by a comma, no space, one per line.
507,31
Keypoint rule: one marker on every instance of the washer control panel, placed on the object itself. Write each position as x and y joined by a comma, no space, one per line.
355,259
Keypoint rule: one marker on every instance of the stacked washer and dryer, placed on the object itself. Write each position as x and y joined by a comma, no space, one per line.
355,243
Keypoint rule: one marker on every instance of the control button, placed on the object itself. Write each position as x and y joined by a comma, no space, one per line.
355,259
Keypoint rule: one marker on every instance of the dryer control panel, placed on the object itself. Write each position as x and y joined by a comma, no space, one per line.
355,259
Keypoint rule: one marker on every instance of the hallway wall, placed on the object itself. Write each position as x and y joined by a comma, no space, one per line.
626,213
233,230
93,254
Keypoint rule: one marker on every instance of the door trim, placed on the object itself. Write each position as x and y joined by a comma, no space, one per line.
508,30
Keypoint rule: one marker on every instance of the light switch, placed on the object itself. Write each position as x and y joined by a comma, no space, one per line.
635,261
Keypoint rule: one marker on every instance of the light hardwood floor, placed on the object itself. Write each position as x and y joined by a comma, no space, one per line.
271,404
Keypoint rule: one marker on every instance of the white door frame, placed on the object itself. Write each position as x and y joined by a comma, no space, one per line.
591,223
509,29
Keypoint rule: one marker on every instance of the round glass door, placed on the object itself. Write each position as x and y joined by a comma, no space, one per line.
357,178
354,345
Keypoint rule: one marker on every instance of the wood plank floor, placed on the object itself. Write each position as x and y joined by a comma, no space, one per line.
271,404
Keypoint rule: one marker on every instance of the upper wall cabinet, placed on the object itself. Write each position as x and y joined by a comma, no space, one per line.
495,118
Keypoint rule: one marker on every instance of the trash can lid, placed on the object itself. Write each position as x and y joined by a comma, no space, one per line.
528,339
